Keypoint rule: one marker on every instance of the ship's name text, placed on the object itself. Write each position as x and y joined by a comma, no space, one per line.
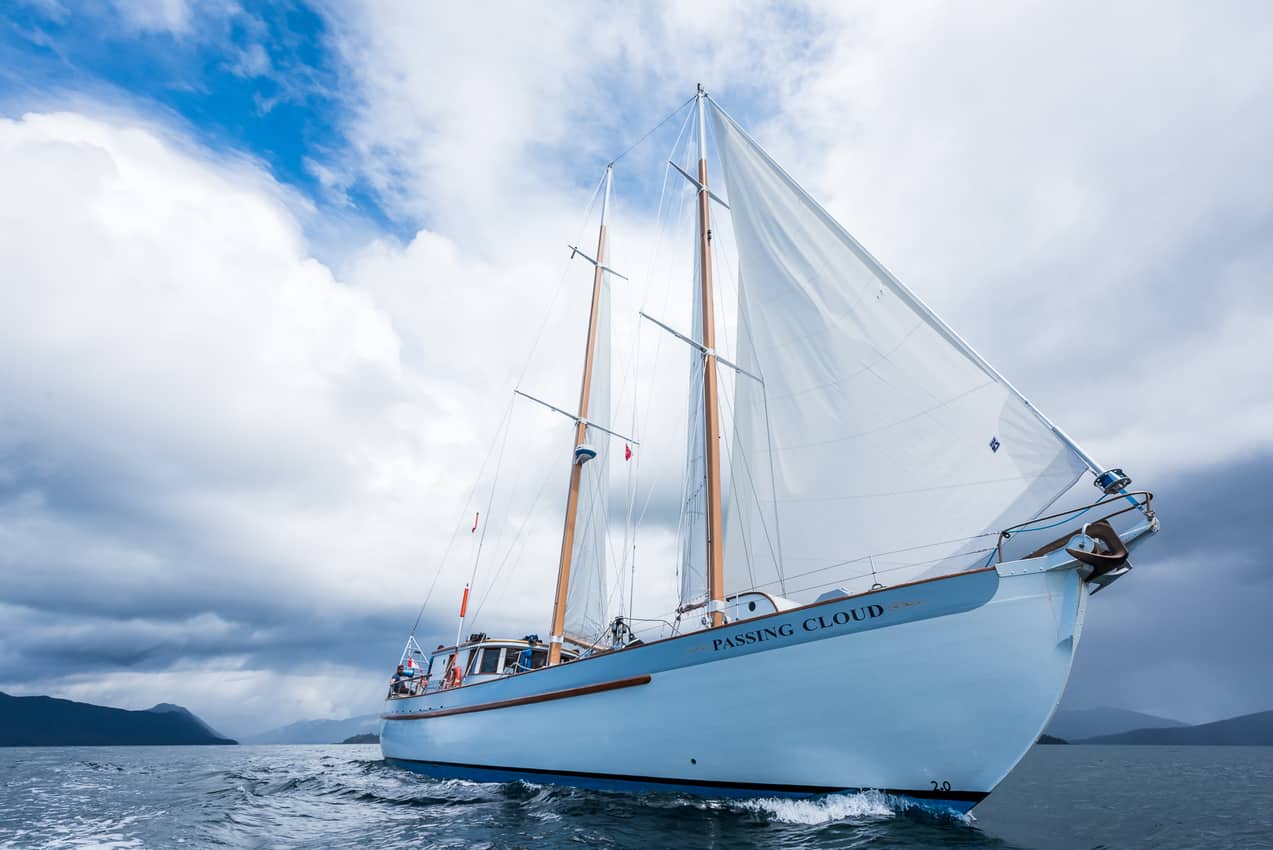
810,624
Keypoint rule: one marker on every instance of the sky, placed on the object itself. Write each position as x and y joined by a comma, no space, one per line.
272,270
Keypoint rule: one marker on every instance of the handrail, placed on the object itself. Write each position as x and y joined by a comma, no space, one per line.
1145,498
413,686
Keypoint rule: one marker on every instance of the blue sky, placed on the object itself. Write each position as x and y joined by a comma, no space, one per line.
270,268
260,79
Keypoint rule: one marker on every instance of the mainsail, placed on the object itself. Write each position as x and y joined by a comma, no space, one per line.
586,596
693,530
878,442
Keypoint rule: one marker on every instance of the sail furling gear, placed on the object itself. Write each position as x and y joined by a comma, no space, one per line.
1112,481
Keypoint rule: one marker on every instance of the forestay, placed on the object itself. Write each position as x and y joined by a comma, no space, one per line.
586,595
886,432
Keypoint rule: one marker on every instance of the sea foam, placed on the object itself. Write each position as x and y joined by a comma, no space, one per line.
816,810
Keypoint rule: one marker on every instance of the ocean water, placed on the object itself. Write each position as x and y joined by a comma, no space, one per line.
345,796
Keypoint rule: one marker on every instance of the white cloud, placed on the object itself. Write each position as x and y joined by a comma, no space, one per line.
253,61
172,16
174,304
194,405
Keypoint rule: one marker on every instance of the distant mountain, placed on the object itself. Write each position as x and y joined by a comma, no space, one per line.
362,739
1051,739
169,708
1076,724
1247,730
50,722
318,731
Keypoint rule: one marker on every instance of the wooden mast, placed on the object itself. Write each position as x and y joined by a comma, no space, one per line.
576,468
711,402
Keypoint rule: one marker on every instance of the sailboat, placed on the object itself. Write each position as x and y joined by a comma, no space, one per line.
882,603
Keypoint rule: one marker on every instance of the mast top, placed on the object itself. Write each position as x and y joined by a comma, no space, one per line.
702,131
605,197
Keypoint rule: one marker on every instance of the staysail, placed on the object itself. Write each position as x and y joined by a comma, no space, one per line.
878,442
586,596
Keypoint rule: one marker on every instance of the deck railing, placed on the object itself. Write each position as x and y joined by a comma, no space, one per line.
1137,500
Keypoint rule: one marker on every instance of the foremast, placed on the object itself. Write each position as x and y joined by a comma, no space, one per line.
557,633
711,400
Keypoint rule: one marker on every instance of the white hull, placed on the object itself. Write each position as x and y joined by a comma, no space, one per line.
935,692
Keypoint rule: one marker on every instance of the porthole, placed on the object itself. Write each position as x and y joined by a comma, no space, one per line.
751,606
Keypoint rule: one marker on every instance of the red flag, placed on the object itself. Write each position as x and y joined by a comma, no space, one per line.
627,452
475,516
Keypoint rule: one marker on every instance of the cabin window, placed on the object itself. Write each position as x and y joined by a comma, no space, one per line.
490,661
538,659
511,654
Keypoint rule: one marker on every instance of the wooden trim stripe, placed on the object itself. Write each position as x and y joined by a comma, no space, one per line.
548,696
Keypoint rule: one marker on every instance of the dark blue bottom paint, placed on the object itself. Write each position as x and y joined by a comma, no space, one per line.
959,802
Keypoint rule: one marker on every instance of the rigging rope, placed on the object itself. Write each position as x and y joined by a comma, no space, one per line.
652,130
455,533
690,492
561,283
549,472
499,464
1070,516
525,367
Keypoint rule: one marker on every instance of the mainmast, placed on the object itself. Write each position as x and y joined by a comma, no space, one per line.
581,426
711,402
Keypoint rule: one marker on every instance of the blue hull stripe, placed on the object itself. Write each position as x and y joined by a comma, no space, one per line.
960,801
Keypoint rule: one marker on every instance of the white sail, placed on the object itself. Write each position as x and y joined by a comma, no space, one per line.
883,434
693,526
586,595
